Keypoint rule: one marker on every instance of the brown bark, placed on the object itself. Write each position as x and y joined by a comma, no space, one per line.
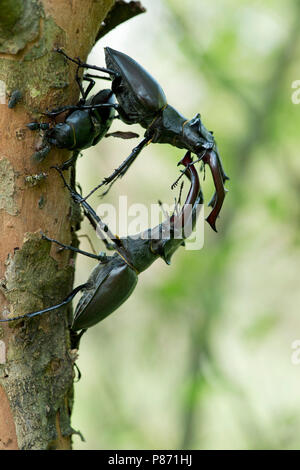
36,369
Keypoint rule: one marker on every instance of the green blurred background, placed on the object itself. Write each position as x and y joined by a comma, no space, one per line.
201,356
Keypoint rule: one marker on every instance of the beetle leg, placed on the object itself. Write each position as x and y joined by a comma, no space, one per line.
173,186
69,162
101,226
183,172
34,126
224,179
83,92
101,257
219,176
49,309
88,78
86,66
42,153
212,160
108,246
55,112
165,213
121,170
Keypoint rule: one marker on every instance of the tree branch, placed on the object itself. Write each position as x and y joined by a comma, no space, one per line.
36,365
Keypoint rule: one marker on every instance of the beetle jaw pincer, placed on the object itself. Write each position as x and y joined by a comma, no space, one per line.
212,160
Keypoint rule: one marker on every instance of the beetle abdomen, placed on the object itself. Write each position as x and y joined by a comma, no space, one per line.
139,94
104,297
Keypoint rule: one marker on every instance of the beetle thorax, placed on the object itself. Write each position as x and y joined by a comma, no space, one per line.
140,255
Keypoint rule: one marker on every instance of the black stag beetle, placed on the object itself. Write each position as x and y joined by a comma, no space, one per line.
114,278
140,99
83,127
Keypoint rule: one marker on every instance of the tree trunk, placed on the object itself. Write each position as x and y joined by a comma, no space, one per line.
36,366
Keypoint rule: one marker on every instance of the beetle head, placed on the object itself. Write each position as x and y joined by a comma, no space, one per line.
196,136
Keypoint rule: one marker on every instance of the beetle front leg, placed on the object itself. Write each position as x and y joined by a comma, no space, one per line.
49,309
55,112
101,226
224,179
41,154
102,257
211,158
122,169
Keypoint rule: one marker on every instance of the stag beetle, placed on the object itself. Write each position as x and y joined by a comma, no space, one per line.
82,128
142,100
114,278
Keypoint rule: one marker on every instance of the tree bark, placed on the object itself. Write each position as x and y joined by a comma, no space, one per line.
36,366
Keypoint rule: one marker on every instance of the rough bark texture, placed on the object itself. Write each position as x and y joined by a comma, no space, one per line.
36,368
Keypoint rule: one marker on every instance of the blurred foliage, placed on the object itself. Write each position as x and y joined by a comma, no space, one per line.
200,355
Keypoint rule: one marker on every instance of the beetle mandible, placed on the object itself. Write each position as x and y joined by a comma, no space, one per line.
114,278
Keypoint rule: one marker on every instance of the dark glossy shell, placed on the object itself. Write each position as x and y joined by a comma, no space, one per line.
135,81
110,286
83,128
